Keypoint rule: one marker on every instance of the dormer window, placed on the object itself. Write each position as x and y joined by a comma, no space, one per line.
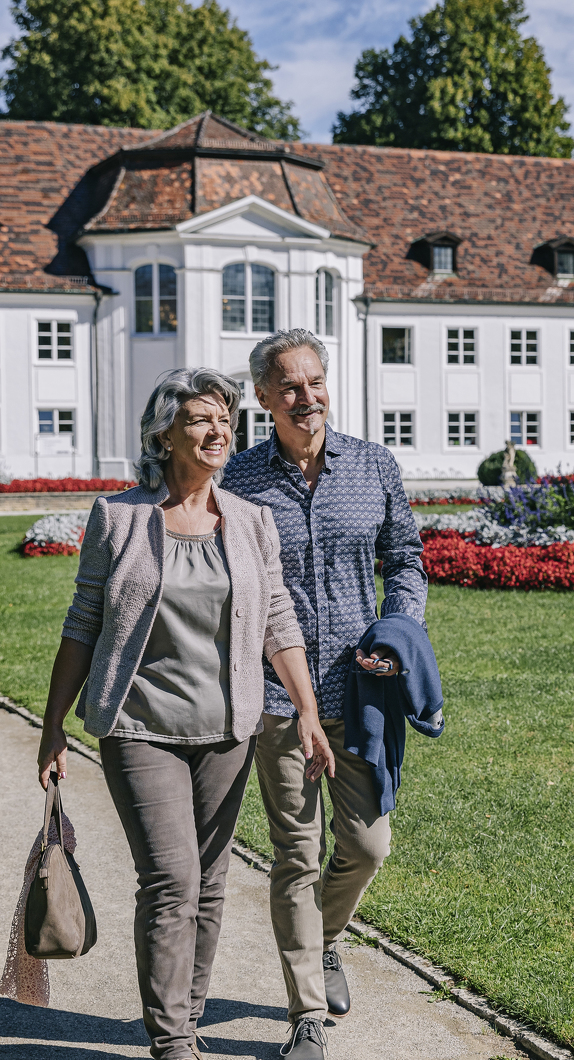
556,256
437,252
442,259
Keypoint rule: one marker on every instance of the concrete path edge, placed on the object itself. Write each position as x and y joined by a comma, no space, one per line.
520,1033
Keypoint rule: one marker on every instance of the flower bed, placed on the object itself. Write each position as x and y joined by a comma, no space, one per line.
55,535
64,485
485,530
451,558
423,498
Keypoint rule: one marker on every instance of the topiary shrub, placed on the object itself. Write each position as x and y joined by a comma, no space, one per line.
490,470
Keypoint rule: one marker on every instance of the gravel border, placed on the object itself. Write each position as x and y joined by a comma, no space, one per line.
437,977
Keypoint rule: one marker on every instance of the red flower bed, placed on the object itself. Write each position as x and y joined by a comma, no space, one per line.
64,485
450,558
54,548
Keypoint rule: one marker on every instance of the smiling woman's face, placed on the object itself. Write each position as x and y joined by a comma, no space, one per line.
201,434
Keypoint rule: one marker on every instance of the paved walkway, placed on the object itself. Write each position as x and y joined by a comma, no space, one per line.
94,1010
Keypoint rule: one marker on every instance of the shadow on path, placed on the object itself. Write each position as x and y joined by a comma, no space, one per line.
221,1010
58,1026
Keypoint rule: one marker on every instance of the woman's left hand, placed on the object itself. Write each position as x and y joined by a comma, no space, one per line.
315,748
381,663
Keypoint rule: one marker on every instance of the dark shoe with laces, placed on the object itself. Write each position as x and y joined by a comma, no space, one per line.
308,1040
336,989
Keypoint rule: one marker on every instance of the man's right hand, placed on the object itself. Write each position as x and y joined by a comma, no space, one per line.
53,749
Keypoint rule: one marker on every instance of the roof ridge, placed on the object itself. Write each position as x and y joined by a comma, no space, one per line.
171,132
440,152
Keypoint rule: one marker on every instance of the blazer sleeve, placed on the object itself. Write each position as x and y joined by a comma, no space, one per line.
282,629
85,614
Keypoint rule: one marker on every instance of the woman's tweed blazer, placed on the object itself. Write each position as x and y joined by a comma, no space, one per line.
119,586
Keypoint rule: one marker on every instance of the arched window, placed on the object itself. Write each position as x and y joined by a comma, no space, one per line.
325,291
248,298
155,299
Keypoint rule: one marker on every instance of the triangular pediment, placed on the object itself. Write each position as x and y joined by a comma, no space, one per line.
251,218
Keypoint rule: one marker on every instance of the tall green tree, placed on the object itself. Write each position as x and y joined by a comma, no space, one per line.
144,63
466,80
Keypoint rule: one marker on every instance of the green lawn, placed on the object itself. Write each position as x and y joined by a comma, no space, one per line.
481,875
480,878
34,600
442,509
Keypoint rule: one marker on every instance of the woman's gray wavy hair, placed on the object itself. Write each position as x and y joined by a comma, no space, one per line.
263,356
177,387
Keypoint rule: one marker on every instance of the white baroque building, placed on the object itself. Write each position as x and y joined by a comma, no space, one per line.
440,283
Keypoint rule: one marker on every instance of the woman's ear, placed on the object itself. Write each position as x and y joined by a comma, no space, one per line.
164,439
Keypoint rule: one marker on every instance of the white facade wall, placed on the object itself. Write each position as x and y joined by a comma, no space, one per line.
251,231
29,384
492,387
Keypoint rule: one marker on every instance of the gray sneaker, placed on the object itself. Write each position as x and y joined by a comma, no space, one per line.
336,989
308,1040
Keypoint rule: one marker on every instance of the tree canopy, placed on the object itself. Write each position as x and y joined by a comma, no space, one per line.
466,80
145,63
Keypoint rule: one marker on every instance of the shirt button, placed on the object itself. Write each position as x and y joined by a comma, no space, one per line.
240,612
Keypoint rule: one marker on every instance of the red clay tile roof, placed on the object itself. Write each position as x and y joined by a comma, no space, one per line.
40,163
500,206
201,165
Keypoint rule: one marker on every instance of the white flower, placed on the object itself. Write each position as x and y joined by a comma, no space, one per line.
64,529
488,532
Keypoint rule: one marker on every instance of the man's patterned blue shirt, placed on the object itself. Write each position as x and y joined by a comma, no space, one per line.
329,541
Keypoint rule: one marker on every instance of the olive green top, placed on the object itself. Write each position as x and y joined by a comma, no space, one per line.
180,693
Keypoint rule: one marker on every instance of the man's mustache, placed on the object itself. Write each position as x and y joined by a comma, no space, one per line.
301,410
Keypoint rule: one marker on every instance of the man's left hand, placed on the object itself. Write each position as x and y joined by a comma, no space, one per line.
315,748
382,663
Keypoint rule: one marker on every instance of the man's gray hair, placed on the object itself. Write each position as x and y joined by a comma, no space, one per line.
177,387
264,355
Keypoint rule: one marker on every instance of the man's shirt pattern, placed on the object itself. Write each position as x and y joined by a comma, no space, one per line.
329,541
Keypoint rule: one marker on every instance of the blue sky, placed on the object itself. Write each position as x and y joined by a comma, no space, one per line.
316,44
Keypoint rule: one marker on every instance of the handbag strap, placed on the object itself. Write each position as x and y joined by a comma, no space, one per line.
53,808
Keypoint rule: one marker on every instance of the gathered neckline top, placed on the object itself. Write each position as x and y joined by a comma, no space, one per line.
180,693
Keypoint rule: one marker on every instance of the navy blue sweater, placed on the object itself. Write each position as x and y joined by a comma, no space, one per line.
375,708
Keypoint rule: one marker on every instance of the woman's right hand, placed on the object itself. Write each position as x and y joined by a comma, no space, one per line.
53,749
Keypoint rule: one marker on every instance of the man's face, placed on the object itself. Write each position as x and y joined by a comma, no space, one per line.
296,394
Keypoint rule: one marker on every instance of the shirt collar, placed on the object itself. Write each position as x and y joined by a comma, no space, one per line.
332,448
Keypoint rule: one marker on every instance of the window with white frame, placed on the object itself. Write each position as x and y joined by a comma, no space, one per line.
572,347
461,343
55,340
523,347
248,298
56,421
442,259
463,428
396,346
565,263
572,428
399,429
525,428
155,299
325,292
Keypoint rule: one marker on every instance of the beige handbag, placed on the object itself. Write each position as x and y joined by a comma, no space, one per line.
59,920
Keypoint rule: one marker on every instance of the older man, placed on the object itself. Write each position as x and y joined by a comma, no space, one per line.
338,503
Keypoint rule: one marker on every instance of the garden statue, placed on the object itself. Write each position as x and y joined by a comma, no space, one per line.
508,475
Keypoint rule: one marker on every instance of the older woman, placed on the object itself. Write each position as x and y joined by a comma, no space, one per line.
179,592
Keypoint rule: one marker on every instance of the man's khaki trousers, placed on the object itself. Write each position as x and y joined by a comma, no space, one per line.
310,911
